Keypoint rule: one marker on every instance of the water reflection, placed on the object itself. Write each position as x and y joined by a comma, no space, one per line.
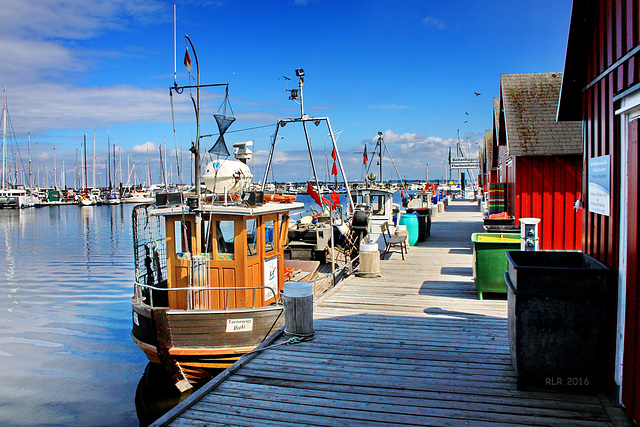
156,394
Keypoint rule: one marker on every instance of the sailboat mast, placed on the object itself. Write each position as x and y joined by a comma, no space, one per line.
55,182
4,139
94,160
86,180
109,161
29,147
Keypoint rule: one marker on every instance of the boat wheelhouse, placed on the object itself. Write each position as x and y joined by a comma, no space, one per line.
378,202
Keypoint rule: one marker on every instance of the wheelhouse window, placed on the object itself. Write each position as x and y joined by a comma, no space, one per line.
218,238
224,239
252,237
182,232
269,229
377,204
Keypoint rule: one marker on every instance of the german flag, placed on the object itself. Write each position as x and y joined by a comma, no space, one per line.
187,60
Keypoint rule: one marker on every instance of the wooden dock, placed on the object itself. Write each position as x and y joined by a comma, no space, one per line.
414,347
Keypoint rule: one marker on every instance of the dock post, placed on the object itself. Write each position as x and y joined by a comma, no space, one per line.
369,260
298,310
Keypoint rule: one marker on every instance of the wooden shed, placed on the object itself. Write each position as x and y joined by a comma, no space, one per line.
539,159
601,87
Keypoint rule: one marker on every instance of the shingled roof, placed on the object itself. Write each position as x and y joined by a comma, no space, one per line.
530,103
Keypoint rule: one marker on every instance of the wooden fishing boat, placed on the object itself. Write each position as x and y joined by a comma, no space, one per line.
208,282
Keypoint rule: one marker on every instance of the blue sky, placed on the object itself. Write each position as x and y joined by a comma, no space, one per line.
408,69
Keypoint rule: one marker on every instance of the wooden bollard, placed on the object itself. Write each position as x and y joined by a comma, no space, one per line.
369,260
298,310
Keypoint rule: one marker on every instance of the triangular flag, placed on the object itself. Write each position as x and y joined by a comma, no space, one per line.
335,197
333,154
334,171
315,196
187,60
365,158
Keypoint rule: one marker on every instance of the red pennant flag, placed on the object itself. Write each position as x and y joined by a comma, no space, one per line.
333,154
315,196
187,60
334,171
335,197
366,159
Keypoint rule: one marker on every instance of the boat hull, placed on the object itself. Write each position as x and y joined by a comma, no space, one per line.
202,341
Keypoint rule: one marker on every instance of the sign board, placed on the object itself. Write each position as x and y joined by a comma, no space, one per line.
239,325
464,163
599,185
270,277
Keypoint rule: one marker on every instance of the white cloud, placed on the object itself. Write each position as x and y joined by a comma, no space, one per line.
147,147
74,19
41,107
430,21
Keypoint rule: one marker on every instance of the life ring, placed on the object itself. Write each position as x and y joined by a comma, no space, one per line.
282,198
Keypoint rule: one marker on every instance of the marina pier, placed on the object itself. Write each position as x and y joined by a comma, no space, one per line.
412,347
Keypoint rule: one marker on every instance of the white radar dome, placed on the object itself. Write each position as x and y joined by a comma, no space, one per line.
232,174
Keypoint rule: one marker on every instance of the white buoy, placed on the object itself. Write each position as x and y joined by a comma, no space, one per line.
298,310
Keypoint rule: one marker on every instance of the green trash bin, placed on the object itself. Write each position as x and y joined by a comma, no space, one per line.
490,261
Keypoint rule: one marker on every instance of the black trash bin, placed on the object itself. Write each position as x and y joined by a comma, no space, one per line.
556,305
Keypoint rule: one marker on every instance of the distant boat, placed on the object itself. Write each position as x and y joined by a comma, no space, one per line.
138,196
16,196
88,197
112,198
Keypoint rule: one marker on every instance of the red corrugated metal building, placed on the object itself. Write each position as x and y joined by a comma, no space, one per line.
539,159
601,87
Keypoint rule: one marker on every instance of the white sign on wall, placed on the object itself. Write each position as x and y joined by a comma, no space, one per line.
270,277
599,185
464,163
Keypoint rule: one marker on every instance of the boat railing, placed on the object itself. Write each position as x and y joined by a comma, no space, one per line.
194,294
338,274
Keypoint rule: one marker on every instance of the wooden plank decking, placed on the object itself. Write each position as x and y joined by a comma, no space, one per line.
414,348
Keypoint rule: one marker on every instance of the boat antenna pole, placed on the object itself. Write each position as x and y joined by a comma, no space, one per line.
4,138
175,65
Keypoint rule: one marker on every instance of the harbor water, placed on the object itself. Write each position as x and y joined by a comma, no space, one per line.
66,353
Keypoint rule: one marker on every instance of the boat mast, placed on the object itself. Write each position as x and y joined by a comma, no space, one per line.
109,161
55,182
4,139
94,160
86,180
295,95
29,146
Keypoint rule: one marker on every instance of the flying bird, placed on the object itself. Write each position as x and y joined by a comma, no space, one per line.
476,93
466,113
466,121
